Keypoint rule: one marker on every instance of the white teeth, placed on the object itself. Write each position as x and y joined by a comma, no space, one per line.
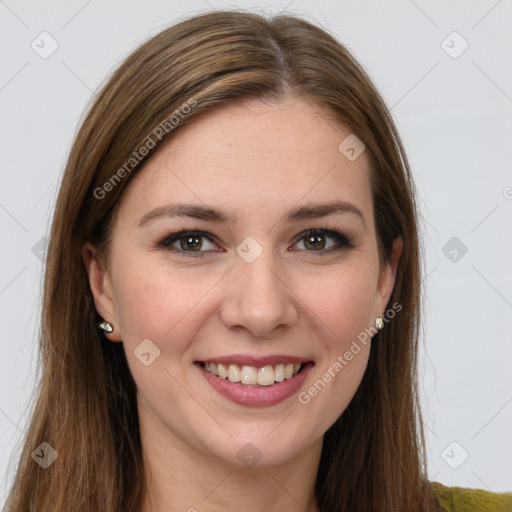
249,375
266,376
234,373
252,375
279,373
223,371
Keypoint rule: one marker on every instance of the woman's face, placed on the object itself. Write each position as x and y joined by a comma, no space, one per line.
253,291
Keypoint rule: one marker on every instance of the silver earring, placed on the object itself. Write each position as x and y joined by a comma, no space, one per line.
379,323
106,326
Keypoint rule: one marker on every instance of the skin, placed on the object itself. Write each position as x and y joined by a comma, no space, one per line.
257,160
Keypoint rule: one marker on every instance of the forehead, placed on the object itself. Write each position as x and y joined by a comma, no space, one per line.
254,157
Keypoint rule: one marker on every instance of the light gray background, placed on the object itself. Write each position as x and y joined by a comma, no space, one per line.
454,115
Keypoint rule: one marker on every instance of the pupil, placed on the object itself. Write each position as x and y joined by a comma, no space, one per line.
311,241
191,242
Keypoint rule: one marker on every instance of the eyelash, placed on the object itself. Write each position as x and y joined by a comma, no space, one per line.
168,239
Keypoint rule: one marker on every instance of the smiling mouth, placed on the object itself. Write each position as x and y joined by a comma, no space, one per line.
254,376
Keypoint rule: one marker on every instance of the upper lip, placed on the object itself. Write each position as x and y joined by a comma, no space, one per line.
245,360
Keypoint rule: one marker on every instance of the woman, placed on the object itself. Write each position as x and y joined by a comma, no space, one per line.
231,304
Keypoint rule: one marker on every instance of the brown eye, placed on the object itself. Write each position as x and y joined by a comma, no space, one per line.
316,240
193,243
189,242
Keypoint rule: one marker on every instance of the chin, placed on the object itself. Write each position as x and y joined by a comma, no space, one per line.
266,448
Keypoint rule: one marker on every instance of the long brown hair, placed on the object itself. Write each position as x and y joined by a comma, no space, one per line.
373,456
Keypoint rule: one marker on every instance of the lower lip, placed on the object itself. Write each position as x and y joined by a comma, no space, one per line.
257,396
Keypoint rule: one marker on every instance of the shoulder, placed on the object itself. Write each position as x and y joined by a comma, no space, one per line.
461,499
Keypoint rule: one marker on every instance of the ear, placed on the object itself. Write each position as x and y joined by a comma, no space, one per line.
387,277
101,288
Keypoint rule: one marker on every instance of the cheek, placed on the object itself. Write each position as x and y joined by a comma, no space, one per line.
159,302
155,301
343,301
343,310
161,305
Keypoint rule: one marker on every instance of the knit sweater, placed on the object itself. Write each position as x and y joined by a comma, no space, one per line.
461,499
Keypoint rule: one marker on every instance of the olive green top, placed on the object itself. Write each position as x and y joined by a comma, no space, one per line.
461,499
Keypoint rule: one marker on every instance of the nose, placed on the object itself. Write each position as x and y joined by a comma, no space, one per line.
257,298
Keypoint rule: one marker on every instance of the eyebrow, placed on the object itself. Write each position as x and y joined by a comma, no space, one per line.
213,214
